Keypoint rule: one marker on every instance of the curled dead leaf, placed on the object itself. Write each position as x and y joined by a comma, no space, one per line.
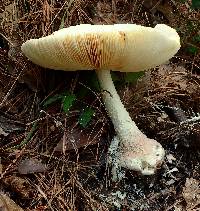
31,166
19,186
191,194
7,204
76,139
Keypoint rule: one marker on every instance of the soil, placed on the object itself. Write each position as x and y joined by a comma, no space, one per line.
54,129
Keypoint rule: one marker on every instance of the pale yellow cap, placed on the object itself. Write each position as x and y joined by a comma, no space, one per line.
119,47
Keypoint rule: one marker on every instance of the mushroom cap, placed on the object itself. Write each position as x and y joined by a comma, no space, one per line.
119,47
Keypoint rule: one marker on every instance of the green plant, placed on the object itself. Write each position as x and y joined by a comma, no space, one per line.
86,116
192,49
133,77
66,99
195,4
67,102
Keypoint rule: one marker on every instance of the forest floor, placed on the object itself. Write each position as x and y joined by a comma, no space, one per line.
54,130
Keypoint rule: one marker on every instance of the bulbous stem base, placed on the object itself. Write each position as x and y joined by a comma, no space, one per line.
130,148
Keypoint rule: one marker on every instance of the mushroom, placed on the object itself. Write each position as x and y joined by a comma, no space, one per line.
119,47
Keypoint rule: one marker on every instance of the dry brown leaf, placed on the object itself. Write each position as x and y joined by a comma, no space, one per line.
31,166
104,14
74,140
8,125
19,186
7,13
7,204
191,194
2,132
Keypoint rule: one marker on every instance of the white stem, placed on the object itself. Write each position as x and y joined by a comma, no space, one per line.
130,148
121,120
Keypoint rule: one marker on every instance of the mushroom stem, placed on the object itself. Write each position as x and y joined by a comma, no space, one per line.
121,120
135,150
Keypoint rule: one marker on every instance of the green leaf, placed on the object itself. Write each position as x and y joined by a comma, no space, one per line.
28,137
90,84
196,4
190,26
93,82
133,77
82,92
192,50
183,1
115,77
68,101
52,100
62,23
86,116
196,38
